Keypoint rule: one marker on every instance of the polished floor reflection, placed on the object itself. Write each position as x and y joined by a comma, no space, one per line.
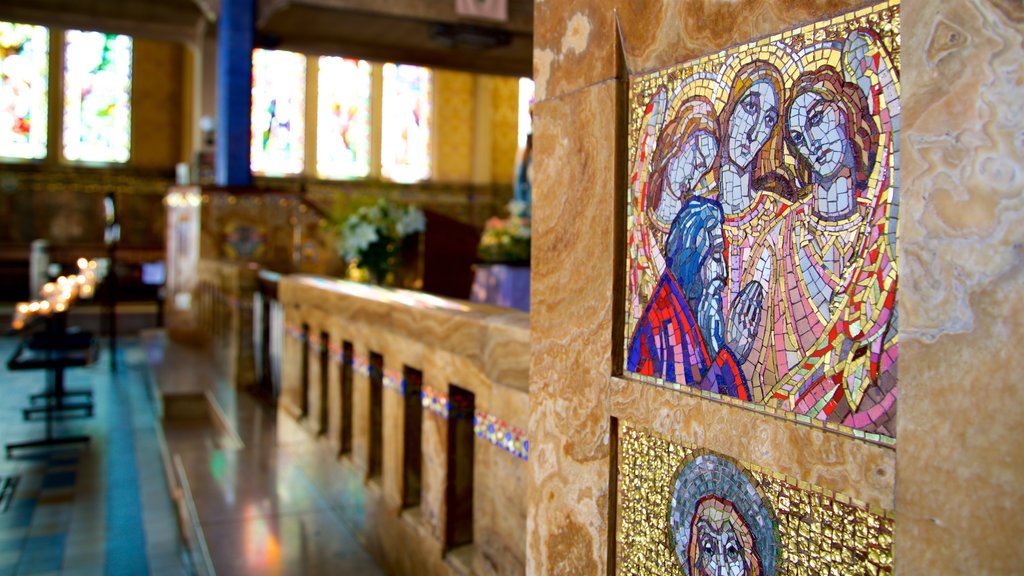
270,498
97,508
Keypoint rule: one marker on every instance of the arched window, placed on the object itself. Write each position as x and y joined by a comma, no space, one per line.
405,130
278,112
97,96
343,118
24,74
526,90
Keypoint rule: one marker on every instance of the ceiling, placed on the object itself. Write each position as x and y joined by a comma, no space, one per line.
426,32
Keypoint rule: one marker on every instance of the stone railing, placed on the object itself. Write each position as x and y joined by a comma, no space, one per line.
426,401
224,316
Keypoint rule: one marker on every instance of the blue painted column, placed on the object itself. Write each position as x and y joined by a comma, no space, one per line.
235,31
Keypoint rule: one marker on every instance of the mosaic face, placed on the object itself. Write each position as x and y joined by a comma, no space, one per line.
720,541
752,122
719,523
693,161
817,128
762,220
685,171
686,510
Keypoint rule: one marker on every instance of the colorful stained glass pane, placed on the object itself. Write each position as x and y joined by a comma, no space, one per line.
405,130
97,96
526,90
343,118
24,70
278,112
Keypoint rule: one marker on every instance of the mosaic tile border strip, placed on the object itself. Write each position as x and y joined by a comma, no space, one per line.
393,380
294,332
815,339
486,426
785,525
502,434
435,401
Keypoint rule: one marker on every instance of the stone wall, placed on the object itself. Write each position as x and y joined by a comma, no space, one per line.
479,348
960,272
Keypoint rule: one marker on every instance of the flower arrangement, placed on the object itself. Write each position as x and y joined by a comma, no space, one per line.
373,238
507,241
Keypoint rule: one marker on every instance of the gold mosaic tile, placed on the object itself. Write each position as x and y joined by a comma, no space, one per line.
683,509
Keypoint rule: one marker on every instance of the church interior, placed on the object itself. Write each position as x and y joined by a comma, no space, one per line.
459,287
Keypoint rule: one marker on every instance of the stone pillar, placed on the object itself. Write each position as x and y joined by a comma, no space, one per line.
234,91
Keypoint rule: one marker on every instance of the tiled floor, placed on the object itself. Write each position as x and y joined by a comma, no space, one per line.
270,498
97,508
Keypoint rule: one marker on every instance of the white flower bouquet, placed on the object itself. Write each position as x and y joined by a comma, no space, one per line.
374,237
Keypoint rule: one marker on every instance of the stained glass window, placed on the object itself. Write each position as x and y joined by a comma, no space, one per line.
525,102
278,112
24,68
97,96
343,118
405,130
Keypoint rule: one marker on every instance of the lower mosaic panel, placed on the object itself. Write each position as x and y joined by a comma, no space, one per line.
686,510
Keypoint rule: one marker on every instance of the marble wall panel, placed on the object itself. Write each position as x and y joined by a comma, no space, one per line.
313,398
574,42
961,433
862,470
501,533
361,414
291,372
571,325
506,356
448,352
461,334
435,465
334,399
453,146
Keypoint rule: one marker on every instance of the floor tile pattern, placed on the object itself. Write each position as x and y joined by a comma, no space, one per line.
100,508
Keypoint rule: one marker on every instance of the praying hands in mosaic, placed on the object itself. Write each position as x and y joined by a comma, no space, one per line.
762,222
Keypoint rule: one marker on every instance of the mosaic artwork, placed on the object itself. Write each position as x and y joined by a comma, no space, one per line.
502,434
762,222
97,96
244,241
24,75
684,510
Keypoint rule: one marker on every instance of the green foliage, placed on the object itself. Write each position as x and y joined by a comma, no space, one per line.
373,236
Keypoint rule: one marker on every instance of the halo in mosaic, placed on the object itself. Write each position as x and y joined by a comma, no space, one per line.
762,211
719,521
686,510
